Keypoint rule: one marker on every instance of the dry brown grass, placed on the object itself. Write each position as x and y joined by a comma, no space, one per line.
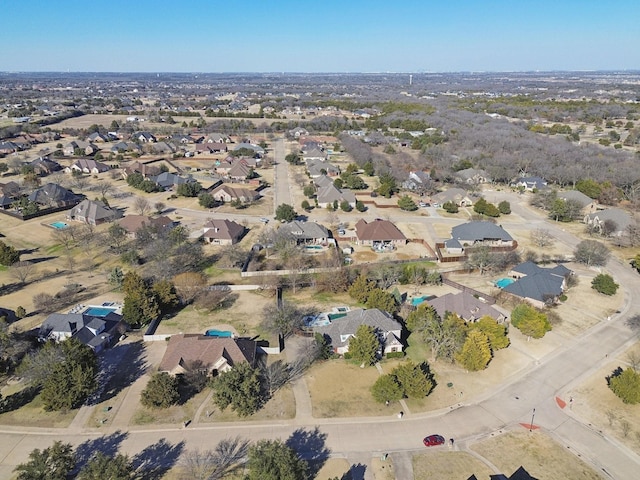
174,414
542,457
333,467
444,465
33,414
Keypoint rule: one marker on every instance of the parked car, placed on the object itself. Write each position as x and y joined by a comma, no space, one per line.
433,440
264,220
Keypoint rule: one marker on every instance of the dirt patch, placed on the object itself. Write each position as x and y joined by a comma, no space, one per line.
383,469
597,405
540,455
438,465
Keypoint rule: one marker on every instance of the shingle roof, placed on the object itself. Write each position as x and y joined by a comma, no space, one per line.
183,348
341,328
479,231
378,230
303,230
223,229
331,193
465,305
576,196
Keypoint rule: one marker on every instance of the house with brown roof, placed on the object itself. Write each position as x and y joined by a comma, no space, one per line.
330,194
466,306
87,165
135,223
222,232
87,148
93,212
217,354
239,171
142,168
458,196
227,193
379,233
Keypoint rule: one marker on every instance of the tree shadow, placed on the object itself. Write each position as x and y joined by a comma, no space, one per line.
156,460
616,373
356,472
18,399
121,366
310,445
107,444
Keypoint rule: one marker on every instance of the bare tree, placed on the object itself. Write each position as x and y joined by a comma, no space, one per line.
104,188
141,205
159,207
217,463
541,237
21,271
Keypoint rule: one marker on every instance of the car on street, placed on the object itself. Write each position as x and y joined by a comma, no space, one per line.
433,440
264,220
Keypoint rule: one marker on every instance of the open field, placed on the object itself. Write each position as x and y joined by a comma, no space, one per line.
440,464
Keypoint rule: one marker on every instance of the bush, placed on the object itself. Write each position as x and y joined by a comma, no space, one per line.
395,355
161,391
626,385
347,356
604,284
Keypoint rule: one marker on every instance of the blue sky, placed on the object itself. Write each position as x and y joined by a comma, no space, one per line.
319,35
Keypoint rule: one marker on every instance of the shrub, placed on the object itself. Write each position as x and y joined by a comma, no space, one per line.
626,386
604,284
395,355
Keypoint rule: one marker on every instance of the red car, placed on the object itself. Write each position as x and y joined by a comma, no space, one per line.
433,440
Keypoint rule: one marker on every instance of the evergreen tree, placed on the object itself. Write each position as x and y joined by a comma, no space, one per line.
476,351
238,388
364,346
386,389
274,460
53,463
530,321
161,391
496,332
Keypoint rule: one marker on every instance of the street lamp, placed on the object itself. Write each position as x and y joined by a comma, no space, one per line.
533,414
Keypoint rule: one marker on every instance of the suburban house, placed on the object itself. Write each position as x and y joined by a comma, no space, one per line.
536,284
239,171
97,332
222,232
93,212
478,233
53,195
87,148
617,218
213,147
135,223
314,154
216,354
87,165
340,330
168,180
330,194
98,137
466,306
472,176
143,137
458,196
216,138
303,233
317,168
298,132
379,234
122,147
9,193
529,183
587,204
227,193
143,169
162,147
43,166
417,181
257,150
322,181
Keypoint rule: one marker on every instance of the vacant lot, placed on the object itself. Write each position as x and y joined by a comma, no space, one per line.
441,465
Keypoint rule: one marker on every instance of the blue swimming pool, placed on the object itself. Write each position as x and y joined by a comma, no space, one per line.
418,300
59,225
98,311
504,282
219,333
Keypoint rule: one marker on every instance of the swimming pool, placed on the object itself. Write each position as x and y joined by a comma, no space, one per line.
504,282
98,311
418,300
59,225
219,333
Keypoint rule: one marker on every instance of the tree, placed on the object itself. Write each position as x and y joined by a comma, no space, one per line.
386,389
305,205
481,259
102,466
382,300
8,254
626,386
530,321
406,203
285,213
69,381
541,237
53,463
159,207
116,277
188,285
450,207
415,380
116,236
604,284
476,351
309,191
360,206
238,388
190,189
21,271
206,200
281,320
504,207
293,158
387,186
496,332
140,305
274,460
589,187
161,391
217,463
591,252
480,206
345,206
361,288
141,205
364,346
166,296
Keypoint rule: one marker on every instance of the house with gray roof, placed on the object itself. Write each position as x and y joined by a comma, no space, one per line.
44,166
466,306
93,212
304,233
314,154
53,195
417,180
322,181
330,194
472,176
316,168
537,285
87,165
481,233
618,219
257,150
341,330
95,332
529,183
587,204
167,180
458,196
